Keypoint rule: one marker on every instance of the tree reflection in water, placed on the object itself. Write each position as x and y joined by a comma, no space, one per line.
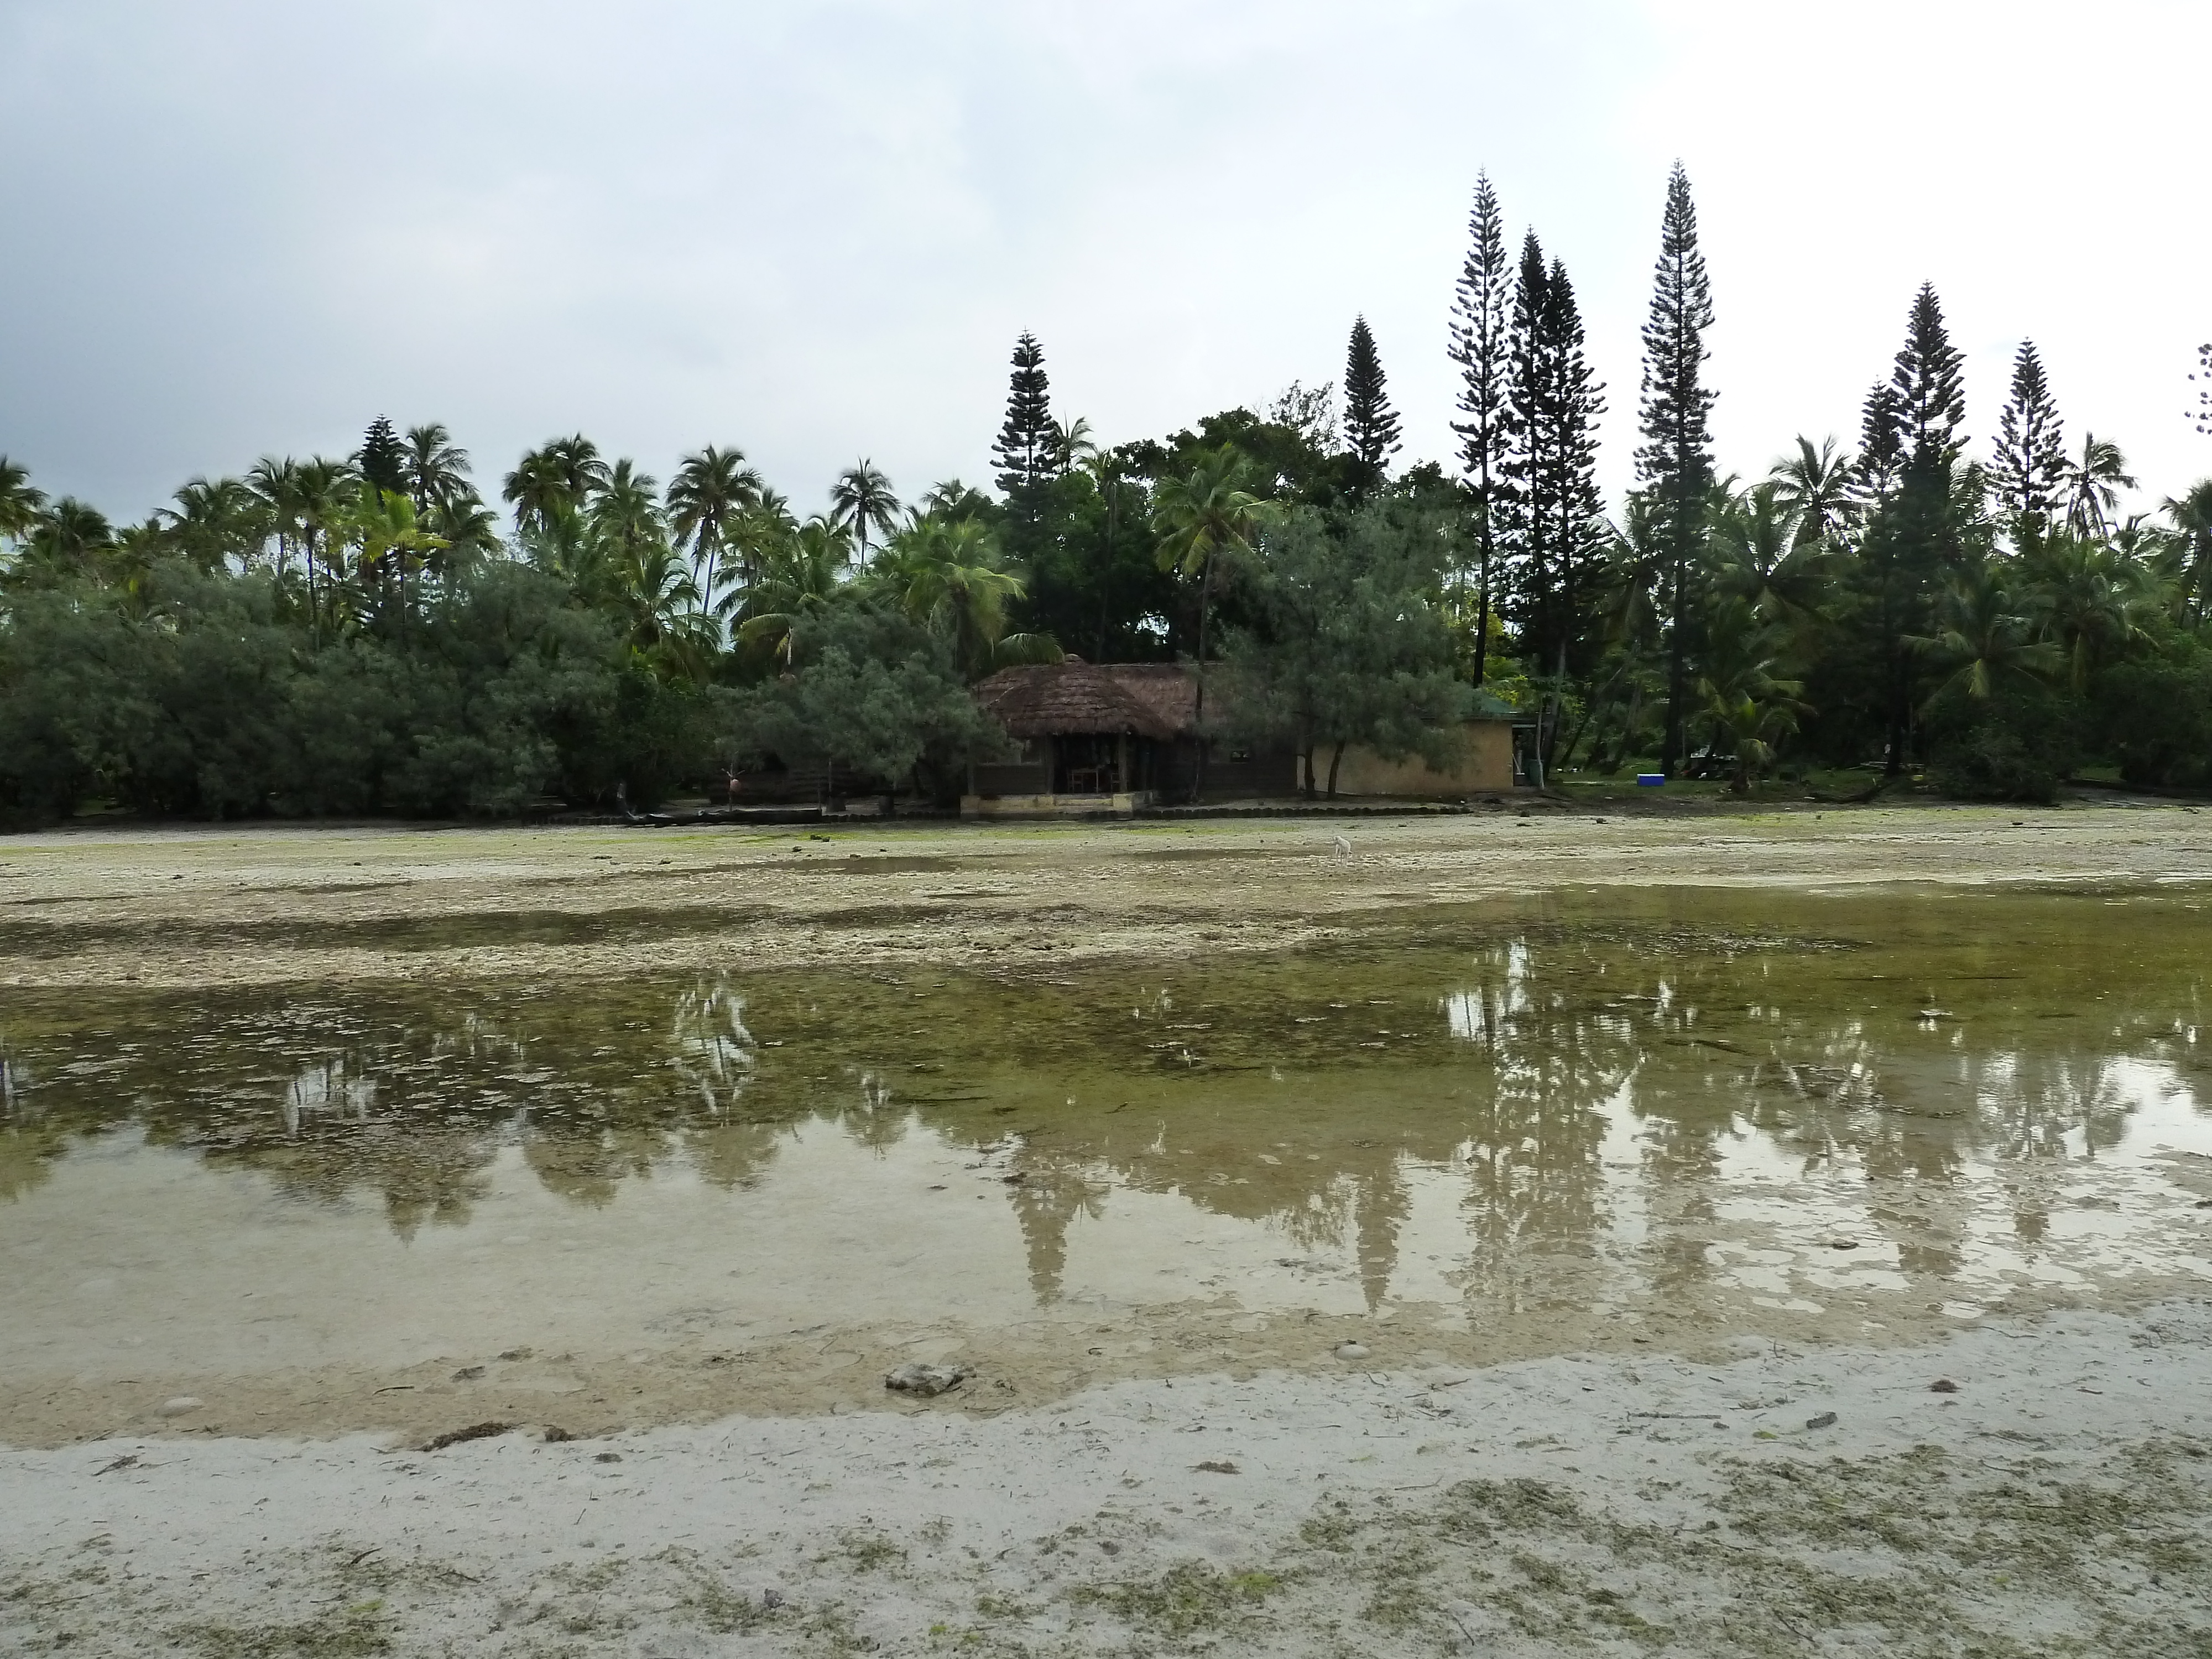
1549,1073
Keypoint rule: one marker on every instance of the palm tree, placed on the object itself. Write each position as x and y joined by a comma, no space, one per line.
437,471
861,499
327,489
657,595
2087,595
217,519
561,473
69,538
389,539
951,499
2093,485
1106,478
1747,701
1815,484
2191,514
469,532
626,510
1201,520
1762,556
799,578
1073,446
1986,639
710,491
20,505
950,574
276,484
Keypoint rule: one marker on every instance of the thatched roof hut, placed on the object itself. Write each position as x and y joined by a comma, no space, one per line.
1070,699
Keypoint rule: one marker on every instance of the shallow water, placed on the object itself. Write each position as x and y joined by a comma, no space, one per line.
1599,1109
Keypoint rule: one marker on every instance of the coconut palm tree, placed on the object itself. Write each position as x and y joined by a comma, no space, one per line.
2192,558
562,472
1746,701
799,578
437,471
2093,485
710,491
1815,484
754,540
625,510
1073,446
1761,555
2088,597
469,532
390,542
1202,519
327,489
1986,638
276,484
950,574
20,504
861,499
216,520
69,539
657,597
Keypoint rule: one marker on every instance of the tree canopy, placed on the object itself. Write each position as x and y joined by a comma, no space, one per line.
368,633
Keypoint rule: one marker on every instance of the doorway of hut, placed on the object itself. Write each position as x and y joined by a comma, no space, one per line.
1090,764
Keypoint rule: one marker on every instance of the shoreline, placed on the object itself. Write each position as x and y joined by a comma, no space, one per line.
262,905
1578,1504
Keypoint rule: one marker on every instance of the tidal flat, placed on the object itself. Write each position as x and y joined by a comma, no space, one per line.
312,1136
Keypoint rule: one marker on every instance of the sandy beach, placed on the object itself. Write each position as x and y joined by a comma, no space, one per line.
2018,1489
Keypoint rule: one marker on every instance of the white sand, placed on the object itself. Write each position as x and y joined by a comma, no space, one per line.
2060,1501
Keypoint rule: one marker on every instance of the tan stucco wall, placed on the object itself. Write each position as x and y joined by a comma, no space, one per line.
1484,763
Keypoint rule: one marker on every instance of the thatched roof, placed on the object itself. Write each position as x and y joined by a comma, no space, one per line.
1169,691
1047,699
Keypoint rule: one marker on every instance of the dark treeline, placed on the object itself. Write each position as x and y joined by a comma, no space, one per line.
370,634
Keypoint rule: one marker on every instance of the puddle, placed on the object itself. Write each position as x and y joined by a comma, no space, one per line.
1524,1127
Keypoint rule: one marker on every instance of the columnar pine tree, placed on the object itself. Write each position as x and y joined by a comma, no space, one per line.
1911,543
1480,337
1549,520
1929,380
1371,425
1574,403
1675,462
1024,452
382,457
1882,452
2029,470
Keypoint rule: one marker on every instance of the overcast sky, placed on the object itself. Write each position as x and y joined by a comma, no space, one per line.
243,227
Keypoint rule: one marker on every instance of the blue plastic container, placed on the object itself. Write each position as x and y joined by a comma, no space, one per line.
1649,780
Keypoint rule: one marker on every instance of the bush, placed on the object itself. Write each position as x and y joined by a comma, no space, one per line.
2154,717
199,697
2014,745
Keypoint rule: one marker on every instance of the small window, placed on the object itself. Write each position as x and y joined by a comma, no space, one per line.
1236,754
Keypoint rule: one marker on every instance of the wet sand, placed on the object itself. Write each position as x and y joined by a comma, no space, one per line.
2023,1489
262,905
1446,1491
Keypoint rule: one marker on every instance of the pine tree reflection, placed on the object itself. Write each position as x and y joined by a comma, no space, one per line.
1532,1138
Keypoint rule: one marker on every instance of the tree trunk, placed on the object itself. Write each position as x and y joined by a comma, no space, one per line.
1205,604
1482,608
1334,761
1677,673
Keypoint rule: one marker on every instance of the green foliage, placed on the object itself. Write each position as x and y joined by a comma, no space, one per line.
1025,451
873,695
1348,642
2015,744
1371,425
209,701
2154,715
